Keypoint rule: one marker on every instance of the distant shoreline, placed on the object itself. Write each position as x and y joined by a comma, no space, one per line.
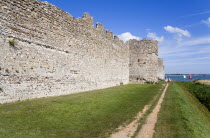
187,74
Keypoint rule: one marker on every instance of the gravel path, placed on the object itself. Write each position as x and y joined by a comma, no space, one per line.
147,130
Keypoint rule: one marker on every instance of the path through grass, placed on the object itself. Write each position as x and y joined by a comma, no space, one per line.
89,114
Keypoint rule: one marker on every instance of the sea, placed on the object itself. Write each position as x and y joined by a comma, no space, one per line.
194,77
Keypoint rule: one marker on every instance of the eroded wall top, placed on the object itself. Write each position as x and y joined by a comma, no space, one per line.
144,46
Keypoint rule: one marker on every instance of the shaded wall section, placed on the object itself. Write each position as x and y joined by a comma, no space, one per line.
144,63
161,69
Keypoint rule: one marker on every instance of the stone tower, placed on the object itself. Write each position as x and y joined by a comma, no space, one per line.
143,63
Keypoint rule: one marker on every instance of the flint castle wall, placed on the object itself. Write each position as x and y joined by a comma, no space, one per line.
143,61
47,52
161,69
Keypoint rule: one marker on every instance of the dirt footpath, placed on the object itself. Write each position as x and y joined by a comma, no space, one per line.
147,130
129,130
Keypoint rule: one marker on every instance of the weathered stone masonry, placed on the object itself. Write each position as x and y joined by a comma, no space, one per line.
144,64
54,53
161,69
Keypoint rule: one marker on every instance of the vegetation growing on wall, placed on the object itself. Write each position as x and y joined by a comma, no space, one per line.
12,43
7,71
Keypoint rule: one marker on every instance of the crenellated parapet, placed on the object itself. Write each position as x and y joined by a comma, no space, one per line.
109,34
46,17
100,28
88,20
116,38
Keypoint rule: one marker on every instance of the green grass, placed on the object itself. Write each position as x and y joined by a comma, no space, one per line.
182,115
201,91
89,114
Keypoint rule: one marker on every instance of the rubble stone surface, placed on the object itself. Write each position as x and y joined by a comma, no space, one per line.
47,52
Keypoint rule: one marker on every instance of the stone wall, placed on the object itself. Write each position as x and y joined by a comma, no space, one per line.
143,64
160,70
54,53
47,52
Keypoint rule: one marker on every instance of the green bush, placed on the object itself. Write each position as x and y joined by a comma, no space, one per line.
11,42
7,71
1,90
201,91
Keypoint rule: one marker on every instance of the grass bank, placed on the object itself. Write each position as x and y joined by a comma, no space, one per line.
182,115
200,90
89,114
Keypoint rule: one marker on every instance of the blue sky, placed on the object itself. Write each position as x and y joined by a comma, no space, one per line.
182,27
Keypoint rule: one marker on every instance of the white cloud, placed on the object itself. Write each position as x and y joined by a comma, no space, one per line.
177,30
127,36
147,30
195,14
155,37
197,41
207,22
179,33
